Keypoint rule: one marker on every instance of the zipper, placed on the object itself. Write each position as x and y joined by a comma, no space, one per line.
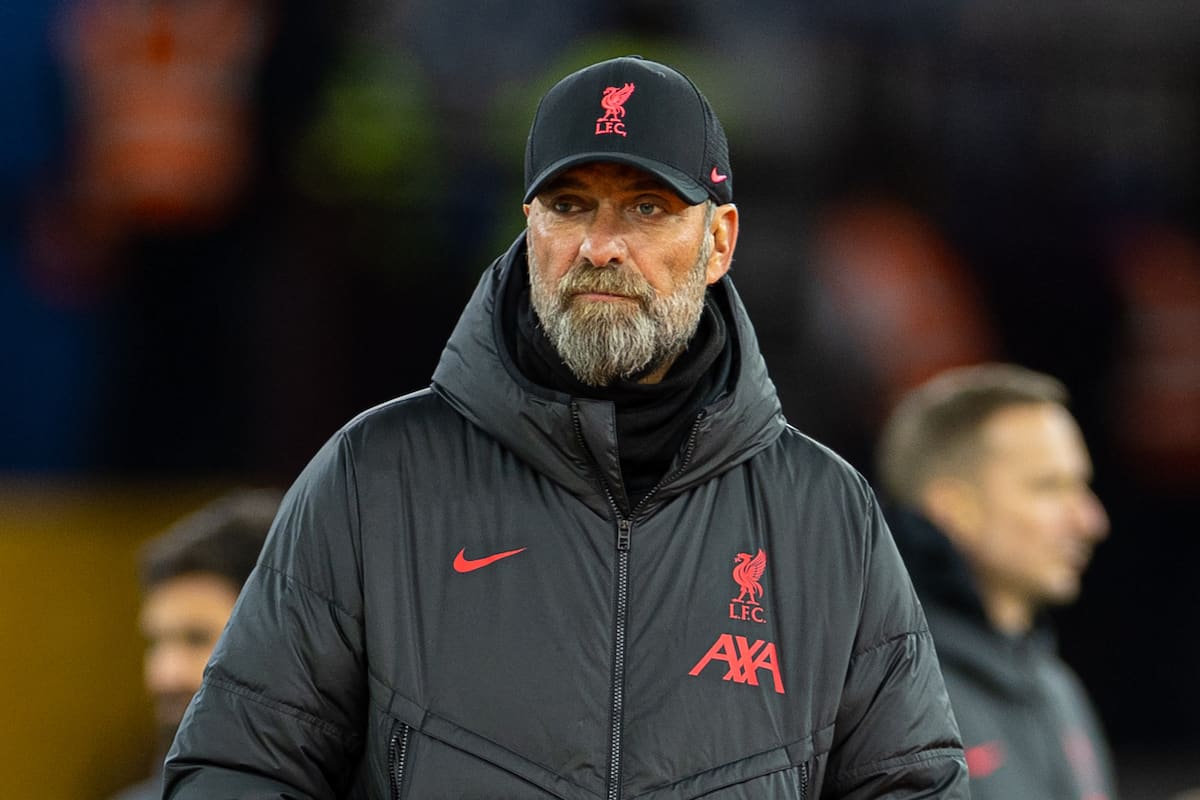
803,781
624,531
397,753
688,449
621,600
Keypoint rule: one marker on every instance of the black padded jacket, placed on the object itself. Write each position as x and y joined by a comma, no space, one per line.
456,602
1027,724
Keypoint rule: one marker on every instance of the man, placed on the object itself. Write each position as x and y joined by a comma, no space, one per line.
592,560
191,575
997,522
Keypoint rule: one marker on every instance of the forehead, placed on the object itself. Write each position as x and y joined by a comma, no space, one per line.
602,176
1035,436
189,599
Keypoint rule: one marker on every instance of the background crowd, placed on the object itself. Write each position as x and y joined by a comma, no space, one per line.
226,226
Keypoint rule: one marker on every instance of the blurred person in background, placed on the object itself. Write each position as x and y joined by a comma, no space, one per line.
592,559
996,520
191,576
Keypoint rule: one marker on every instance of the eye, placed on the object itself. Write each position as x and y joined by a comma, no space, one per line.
563,203
198,638
647,208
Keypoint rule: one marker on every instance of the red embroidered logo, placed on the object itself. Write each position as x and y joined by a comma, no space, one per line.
613,103
716,177
984,759
746,573
743,659
1082,756
464,564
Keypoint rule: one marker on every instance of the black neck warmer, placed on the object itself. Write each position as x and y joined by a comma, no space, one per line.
652,419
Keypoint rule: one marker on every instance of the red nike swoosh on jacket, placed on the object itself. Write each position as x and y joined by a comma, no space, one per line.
464,564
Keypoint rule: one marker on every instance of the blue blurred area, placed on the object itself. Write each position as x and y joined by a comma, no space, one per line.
47,353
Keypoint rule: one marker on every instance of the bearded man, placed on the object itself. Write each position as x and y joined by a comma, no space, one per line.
523,581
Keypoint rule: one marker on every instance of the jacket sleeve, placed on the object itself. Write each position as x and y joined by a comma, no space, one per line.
281,712
895,735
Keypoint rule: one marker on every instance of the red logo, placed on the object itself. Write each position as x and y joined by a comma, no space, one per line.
743,659
746,573
984,759
1082,756
716,177
613,103
464,564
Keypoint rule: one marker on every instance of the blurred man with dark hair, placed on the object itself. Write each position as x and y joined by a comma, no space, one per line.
191,576
997,521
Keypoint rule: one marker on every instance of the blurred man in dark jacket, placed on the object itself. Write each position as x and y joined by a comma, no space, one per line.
996,521
191,575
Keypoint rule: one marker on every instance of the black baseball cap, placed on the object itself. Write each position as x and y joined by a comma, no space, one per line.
634,111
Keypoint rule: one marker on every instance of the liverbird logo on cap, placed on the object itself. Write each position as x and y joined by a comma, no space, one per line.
613,103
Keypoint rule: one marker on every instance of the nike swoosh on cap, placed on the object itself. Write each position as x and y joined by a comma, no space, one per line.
464,564
715,176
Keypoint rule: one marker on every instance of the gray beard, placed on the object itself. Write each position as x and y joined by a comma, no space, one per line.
604,341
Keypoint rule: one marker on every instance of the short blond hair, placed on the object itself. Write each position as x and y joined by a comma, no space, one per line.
935,429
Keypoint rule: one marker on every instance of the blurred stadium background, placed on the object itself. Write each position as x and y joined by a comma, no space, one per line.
226,226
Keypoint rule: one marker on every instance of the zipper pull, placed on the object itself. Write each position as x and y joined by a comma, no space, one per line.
624,527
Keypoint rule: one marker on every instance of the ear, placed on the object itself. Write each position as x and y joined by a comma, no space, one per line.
724,231
525,209
953,504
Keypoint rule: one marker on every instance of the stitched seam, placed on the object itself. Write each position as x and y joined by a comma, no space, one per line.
232,687
352,465
923,633
812,737
319,595
917,758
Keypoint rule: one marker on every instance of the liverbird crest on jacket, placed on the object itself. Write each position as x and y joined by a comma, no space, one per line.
747,572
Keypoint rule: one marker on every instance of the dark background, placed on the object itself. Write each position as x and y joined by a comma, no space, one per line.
921,185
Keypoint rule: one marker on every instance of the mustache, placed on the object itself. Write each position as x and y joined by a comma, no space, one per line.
584,278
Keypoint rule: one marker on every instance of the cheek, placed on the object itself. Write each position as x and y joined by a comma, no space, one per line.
1010,536
667,269
551,257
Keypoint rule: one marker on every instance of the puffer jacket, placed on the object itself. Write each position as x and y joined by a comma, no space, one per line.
1027,724
456,602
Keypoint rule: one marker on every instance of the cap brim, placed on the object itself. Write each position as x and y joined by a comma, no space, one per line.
679,182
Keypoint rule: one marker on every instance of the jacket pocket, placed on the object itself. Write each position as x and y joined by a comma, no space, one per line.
431,759
787,783
398,758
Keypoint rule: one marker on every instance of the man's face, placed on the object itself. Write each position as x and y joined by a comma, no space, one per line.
1038,518
181,620
618,267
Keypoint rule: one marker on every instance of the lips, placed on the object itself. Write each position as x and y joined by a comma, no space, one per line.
603,295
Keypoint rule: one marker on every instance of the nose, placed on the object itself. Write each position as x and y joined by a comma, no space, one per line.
1092,518
603,240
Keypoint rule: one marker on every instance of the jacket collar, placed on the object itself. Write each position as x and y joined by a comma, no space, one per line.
562,436
964,637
